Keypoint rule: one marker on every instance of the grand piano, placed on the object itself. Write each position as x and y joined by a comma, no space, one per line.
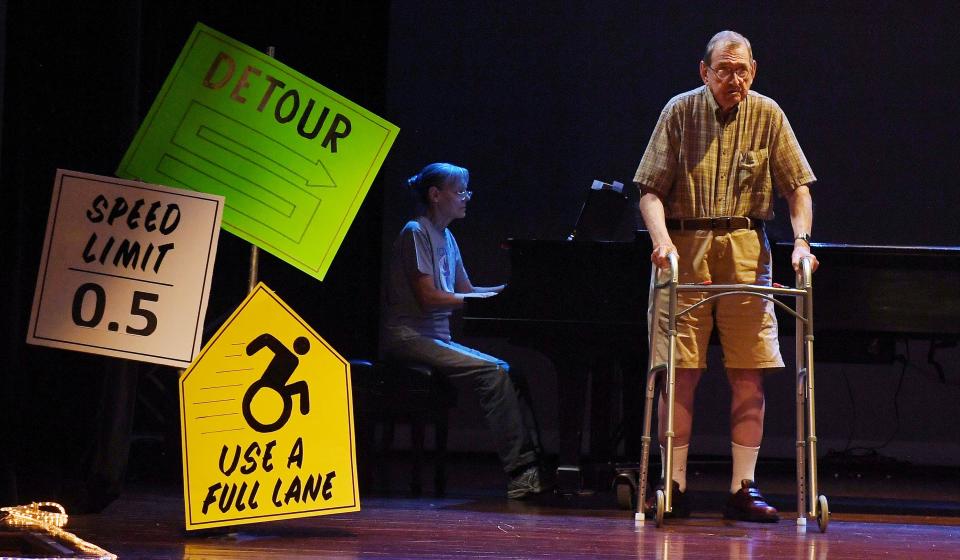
583,304
868,296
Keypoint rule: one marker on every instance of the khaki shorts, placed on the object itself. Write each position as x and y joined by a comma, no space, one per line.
747,325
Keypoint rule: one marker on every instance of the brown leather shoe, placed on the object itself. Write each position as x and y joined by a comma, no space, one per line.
748,504
679,505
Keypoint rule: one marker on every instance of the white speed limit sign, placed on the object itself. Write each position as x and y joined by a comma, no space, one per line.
126,269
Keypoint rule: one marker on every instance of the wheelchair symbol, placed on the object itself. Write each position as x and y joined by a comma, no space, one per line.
275,378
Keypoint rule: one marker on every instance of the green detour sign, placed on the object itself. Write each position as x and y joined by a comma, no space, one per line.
293,159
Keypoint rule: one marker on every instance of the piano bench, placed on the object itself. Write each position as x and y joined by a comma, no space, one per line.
385,394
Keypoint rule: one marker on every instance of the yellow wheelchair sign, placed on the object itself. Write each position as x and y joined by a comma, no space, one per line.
266,421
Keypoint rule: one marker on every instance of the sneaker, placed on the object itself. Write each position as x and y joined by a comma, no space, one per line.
748,504
680,507
525,484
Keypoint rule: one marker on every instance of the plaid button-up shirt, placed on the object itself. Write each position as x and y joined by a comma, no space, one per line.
703,165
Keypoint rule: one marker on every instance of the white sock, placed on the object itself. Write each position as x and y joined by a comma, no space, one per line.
679,465
744,464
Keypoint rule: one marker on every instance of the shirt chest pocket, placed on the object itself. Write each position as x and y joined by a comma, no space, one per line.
753,171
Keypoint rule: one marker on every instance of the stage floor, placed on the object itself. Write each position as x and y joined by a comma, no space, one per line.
905,515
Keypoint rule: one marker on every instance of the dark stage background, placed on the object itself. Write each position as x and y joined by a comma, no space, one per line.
537,99
79,79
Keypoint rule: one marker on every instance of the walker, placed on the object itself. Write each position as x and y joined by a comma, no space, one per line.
806,423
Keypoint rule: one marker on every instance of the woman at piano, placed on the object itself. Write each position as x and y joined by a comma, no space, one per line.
425,283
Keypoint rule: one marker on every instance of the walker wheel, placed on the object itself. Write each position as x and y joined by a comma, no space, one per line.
823,513
626,490
661,507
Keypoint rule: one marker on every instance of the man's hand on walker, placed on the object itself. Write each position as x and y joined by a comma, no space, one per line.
659,255
801,250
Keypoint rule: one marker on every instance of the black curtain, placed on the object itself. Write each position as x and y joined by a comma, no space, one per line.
78,78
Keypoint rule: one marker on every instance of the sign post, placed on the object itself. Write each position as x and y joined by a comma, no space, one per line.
266,421
126,269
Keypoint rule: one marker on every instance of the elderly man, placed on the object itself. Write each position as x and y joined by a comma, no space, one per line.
718,152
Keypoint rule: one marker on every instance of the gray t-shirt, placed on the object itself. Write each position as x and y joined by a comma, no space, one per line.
420,248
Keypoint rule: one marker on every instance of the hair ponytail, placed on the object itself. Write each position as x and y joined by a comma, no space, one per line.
435,175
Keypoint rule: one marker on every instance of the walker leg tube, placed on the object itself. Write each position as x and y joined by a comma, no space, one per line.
811,408
653,369
800,335
801,445
668,438
812,441
645,450
669,387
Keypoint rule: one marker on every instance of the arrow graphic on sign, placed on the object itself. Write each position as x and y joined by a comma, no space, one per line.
280,195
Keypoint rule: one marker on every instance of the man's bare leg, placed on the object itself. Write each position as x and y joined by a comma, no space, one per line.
684,393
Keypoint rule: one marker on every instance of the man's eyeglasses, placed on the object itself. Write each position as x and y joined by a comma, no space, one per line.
464,195
724,73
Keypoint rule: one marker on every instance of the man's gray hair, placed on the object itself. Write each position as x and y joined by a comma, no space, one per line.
723,39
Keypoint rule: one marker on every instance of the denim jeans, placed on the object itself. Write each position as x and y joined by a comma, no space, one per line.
508,417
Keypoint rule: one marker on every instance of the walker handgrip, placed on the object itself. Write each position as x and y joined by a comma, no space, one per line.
674,265
805,274
672,268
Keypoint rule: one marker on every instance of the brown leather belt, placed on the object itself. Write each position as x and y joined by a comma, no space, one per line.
725,222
